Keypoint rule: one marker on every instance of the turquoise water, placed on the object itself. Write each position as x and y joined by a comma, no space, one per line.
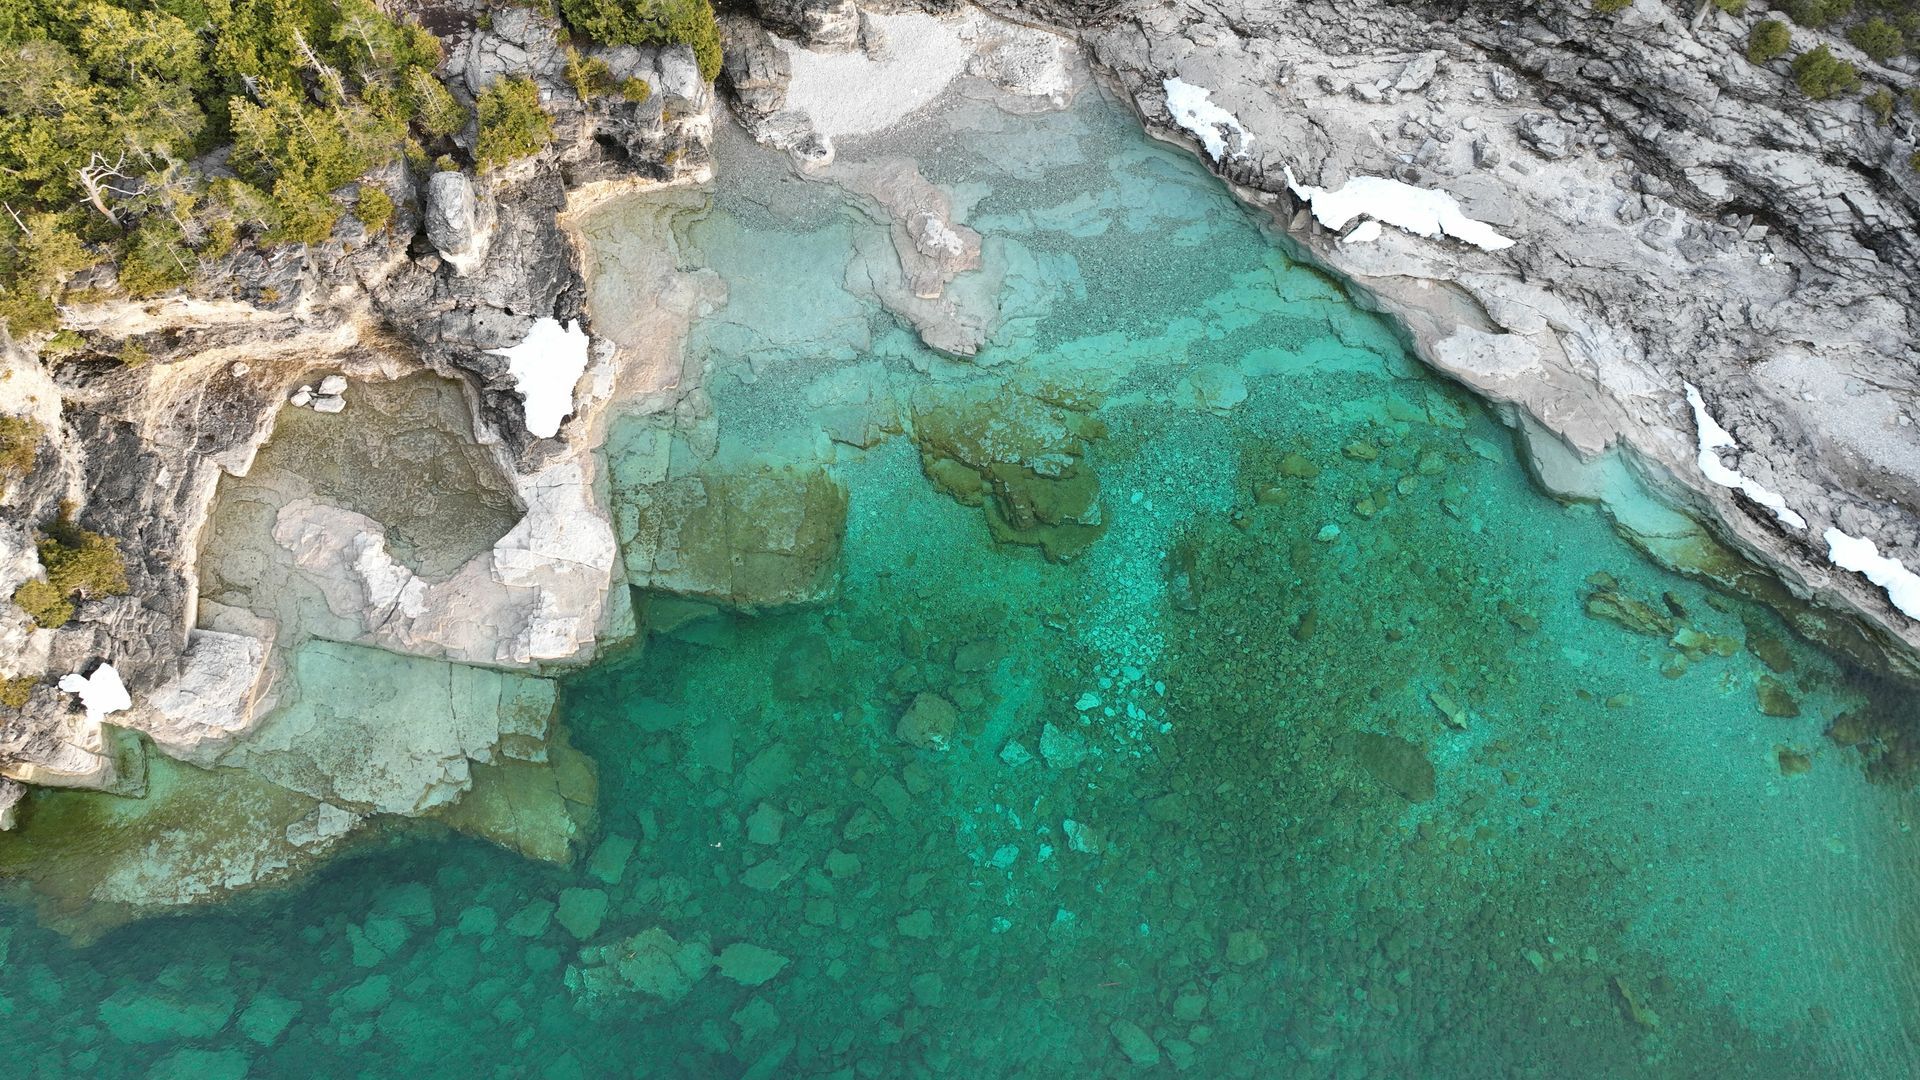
1196,685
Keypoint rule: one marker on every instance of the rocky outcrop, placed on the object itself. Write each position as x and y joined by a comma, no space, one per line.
459,222
825,25
166,397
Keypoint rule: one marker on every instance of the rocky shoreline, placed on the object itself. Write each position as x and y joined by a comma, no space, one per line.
1654,247
467,270
1675,223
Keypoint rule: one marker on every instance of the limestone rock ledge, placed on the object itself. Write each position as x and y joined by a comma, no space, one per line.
468,266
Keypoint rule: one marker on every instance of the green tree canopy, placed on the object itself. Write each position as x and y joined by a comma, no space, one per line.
650,22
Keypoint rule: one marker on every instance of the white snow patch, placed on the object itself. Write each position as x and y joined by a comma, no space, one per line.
545,366
1863,557
1713,439
1193,109
849,93
1421,211
1364,233
101,693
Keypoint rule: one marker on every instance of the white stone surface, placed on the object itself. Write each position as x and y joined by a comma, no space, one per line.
196,713
545,366
850,93
1421,211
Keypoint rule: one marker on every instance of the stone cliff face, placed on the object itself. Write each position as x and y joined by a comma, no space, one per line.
1679,216
469,264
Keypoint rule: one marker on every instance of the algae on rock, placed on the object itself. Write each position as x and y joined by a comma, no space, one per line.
1017,453
751,538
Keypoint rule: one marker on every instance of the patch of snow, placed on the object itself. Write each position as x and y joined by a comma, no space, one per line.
1364,233
101,693
1421,211
545,366
1863,557
1713,439
1193,108
850,93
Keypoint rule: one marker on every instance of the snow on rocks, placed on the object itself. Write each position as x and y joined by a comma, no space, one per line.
1713,439
1421,211
101,693
1863,557
1217,129
545,366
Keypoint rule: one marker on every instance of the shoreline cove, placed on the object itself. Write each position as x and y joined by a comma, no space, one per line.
993,587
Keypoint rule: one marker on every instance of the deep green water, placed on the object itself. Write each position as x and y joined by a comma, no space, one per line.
1230,859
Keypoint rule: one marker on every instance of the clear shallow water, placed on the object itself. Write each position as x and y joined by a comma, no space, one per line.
1231,791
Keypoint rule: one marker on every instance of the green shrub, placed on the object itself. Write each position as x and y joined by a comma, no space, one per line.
636,90
1880,102
16,692
63,343
78,562
664,22
1611,7
589,76
44,604
33,266
1732,7
156,261
1877,39
439,113
19,447
374,208
1818,13
1821,75
512,123
300,215
1769,40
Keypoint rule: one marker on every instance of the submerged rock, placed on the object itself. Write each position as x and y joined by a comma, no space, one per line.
1135,1043
755,538
1401,765
1062,749
1019,455
376,731
750,965
928,723
650,962
1775,699
146,1015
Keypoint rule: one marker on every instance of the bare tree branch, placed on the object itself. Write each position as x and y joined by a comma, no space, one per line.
93,180
331,76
